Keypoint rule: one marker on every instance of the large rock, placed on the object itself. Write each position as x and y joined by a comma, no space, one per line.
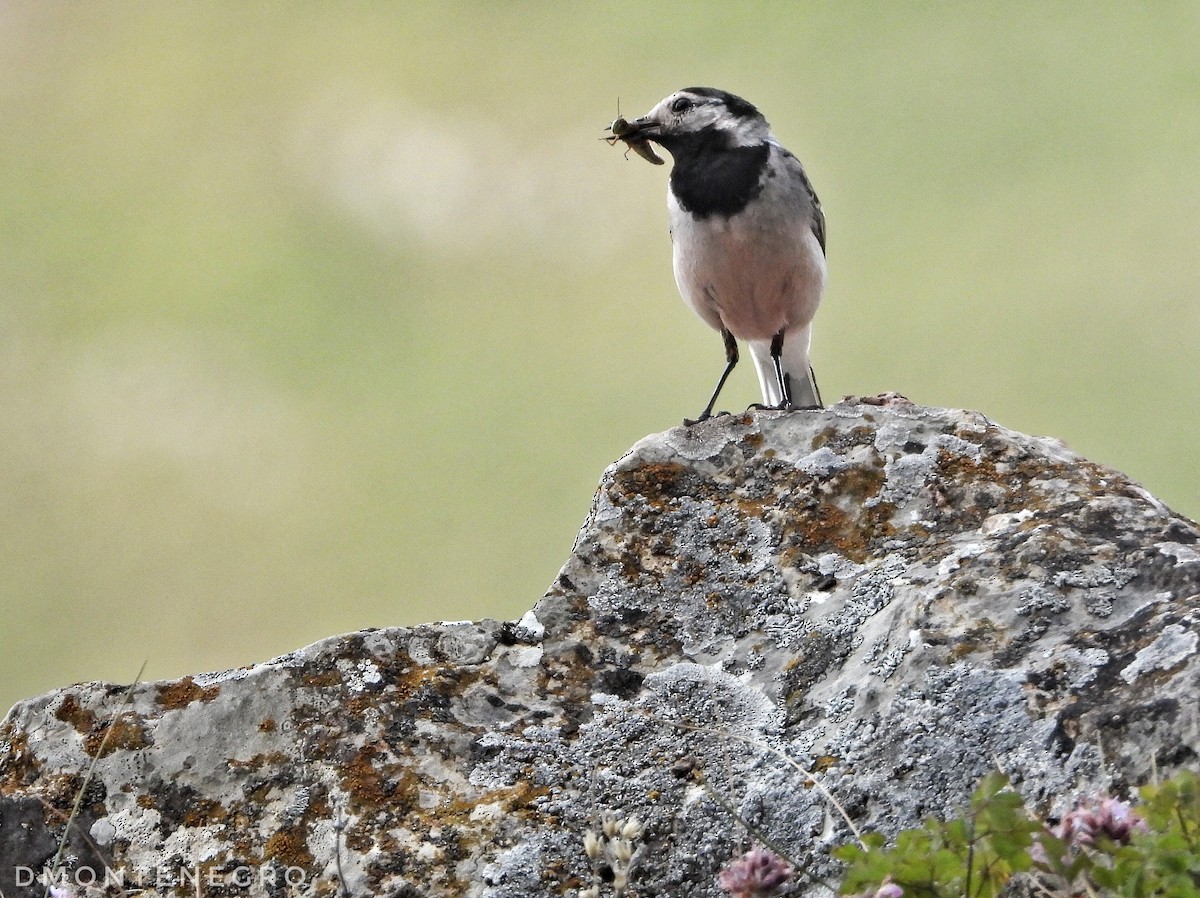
897,598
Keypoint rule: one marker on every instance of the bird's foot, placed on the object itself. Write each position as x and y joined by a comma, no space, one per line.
704,416
783,407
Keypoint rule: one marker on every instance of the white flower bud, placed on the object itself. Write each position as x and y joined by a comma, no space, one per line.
591,845
611,826
622,851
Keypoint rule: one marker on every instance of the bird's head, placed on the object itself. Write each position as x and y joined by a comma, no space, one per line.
698,116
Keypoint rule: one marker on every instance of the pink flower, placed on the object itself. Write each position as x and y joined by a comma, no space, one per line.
756,874
1037,851
1110,817
887,889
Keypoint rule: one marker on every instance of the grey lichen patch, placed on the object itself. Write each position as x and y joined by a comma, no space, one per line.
896,598
1171,648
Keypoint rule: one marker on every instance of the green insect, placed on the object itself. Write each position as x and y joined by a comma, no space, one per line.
621,130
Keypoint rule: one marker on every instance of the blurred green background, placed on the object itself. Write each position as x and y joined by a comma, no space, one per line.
315,317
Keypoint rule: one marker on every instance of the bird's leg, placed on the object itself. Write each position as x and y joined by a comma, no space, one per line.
731,359
785,380
816,389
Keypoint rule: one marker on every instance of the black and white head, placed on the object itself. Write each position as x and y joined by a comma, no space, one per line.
697,118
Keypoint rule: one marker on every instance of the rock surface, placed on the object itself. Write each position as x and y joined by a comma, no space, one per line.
897,598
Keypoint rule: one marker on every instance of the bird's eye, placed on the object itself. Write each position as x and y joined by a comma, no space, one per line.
681,105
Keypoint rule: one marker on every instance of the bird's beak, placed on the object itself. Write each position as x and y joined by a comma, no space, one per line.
644,127
636,135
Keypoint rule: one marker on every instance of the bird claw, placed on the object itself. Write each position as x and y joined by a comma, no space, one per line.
692,422
783,407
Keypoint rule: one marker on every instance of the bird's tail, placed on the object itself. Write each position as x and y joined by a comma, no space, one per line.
803,385
793,360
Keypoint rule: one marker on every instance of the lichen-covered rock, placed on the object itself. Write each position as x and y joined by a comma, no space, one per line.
895,598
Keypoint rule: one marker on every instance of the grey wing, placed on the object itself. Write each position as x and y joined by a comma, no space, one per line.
818,219
818,214
814,204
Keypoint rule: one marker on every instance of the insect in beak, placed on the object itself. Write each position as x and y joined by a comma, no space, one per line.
630,134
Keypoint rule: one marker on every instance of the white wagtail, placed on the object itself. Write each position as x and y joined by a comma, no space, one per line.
747,231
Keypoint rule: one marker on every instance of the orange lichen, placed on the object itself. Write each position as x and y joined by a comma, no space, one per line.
18,765
658,483
418,678
984,635
329,677
257,762
858,483
827,527
754,508
205,812
126,733
963,469
289,847
512,800
182,693
823,763
374,782
70,711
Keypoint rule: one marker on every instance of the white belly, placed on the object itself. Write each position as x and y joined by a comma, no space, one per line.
753,281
